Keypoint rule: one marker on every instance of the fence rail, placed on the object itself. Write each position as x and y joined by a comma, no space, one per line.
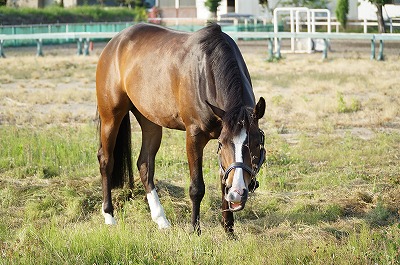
270,36
83,38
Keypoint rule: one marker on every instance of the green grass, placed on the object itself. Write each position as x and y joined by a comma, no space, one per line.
327,199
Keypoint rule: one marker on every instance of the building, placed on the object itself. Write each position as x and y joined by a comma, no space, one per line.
358,9
197,9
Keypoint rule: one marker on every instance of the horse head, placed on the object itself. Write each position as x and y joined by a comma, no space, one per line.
241,154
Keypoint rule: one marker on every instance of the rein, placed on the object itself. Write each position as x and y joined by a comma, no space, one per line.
252,171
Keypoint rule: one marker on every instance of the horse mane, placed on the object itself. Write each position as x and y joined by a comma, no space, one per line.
227,77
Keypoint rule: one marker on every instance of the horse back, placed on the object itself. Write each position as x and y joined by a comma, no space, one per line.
155,67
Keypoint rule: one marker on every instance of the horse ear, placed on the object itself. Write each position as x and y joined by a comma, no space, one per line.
217,111
260,108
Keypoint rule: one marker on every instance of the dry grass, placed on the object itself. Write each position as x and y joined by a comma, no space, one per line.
329,193
305,93
46,90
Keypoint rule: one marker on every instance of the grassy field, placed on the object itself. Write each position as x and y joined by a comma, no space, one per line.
330,189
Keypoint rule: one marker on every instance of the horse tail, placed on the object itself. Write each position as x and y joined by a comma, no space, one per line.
122,171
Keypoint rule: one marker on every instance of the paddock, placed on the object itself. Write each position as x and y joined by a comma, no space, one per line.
329,191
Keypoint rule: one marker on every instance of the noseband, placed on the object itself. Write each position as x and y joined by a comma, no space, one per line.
252,171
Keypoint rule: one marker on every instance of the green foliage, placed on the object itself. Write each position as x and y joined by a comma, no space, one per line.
212,5
56,14
343,107
140,14
306,3
47,154
379,216
342,9
298,220
263,3
381,2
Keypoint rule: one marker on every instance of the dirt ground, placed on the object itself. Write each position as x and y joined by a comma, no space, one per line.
69,96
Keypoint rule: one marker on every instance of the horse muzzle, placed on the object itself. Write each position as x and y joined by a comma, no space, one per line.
236,199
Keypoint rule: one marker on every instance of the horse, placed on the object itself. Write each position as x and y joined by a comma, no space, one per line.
196,82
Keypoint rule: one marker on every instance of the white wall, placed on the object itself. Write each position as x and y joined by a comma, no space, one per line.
366,10
247,7
202,10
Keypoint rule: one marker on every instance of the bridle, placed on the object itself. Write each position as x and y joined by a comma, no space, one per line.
253,171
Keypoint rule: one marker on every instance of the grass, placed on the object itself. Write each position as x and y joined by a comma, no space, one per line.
314,205
329,190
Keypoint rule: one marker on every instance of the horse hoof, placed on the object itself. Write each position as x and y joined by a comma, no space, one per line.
232,236
109,219
163,223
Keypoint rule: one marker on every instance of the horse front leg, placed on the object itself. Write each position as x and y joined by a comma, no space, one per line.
151,140
194,148
227,216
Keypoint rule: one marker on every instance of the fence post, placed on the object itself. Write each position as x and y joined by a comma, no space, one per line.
278,49
373,48
365,25
2,55
380,56
325,52
86,47
270,49
79,48
39,51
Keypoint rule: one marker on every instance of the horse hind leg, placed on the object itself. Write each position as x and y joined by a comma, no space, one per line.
114,135
151,140
106,162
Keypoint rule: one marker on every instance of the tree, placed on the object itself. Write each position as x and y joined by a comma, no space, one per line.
306,3
213,6
342,9
379,15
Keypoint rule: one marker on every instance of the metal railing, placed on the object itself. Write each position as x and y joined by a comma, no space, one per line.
83,39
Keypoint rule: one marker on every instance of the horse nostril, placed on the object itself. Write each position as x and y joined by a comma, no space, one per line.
236,195
239,192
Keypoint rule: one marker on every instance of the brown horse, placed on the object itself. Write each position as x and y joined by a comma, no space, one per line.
196,82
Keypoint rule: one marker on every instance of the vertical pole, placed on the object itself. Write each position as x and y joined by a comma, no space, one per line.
325,52
365,26
270,49
373,48
86,47
329,21
276,26
278,49
309,42
79,44
292,30
2,55
312,21
380,56
39,51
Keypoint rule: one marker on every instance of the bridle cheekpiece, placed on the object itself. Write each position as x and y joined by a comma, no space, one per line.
253,171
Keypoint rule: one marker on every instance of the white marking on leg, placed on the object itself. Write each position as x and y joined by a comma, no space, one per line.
157,211
108,218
